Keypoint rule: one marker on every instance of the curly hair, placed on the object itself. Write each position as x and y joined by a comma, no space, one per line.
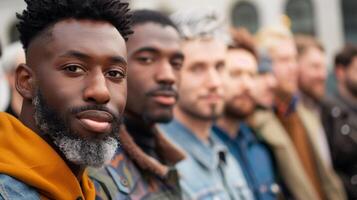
41,14
146,16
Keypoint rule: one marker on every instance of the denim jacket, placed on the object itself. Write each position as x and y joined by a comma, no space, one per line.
209,171
11,188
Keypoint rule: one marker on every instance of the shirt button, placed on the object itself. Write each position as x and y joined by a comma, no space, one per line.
124,182
274,188
345,129
335,112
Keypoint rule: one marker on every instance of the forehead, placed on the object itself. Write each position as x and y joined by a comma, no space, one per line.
241,59
284,47
164,38
88,36
313,53
205,51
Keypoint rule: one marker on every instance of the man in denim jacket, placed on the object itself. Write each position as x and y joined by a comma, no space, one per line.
209,172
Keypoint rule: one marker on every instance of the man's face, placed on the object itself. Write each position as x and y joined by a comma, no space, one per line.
283,56
264,91
155,59
312,73
79,88
350,78
242,68
200,83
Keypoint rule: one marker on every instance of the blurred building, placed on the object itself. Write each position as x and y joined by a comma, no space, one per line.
334,22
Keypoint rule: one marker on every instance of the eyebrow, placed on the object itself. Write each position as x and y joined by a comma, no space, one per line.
178,54
149,49
83,56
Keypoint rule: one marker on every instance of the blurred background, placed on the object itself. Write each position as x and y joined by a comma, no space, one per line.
333,22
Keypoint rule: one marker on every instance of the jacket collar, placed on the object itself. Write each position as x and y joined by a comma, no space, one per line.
167,151
208,155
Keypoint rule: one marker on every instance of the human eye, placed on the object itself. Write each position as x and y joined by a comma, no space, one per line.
220,66
146,60
73,68
116,74
197,68
177,63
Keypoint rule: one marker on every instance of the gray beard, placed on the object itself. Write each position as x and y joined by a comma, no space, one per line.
80,151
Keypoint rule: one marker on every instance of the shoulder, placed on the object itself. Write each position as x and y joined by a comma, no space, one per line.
11,188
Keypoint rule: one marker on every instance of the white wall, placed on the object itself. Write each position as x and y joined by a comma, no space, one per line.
8,8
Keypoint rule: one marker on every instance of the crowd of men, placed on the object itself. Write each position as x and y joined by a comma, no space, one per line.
103,102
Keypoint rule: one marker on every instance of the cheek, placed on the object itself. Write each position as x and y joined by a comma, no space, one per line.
67,92
119,95
137,85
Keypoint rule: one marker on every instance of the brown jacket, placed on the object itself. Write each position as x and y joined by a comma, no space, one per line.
291,169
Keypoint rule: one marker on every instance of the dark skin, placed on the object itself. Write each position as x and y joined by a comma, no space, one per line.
76,63
155,58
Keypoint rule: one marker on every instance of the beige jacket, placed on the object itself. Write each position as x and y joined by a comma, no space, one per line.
289,165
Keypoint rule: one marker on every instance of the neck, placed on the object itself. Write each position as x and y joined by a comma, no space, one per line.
27,118
143,134
230,125
309,101
200,127
138,121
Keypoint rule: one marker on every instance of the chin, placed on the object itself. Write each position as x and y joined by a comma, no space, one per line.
160,118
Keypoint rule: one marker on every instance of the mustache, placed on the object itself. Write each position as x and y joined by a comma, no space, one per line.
163,89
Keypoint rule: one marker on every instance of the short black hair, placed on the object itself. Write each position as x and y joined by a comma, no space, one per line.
345,57
41,14
145,16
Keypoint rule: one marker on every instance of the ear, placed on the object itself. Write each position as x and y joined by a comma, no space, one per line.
24,81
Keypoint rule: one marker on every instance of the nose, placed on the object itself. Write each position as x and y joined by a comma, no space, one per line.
165,74
96,89
247,82
214,79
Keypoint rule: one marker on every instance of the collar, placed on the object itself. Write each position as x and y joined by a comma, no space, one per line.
245,135
208,156
284,107
169,154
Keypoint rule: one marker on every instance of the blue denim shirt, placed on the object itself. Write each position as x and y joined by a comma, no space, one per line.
209,171
255,159
11,188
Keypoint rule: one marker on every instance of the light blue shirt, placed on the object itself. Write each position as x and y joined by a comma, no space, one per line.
209,171
255,159
11,188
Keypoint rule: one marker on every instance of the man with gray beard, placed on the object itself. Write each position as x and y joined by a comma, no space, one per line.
73,87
